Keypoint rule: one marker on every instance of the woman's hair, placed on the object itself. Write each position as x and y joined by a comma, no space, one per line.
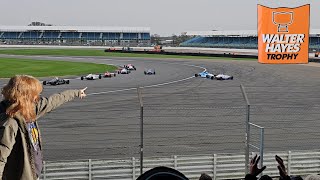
22,92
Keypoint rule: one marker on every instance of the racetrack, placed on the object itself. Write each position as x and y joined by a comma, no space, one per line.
183,114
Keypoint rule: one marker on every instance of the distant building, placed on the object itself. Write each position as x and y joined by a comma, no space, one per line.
39,24
35,33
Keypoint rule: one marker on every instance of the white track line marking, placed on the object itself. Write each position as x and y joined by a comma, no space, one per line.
120,90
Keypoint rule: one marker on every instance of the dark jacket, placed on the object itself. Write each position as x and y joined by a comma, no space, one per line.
16,159
252,177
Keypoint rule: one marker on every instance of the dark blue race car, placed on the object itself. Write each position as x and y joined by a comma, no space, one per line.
56,81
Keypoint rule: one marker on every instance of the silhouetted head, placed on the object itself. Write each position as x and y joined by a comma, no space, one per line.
265,177
161,173
205,176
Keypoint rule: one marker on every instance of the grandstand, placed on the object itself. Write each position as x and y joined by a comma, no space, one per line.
75,35
237,39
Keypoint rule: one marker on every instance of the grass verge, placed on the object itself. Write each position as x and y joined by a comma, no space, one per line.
43,68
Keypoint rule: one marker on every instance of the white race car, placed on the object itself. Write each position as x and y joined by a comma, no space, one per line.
91,77
123,71
130,67
150,71
222,77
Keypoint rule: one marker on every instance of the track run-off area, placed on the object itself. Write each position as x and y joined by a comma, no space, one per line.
183,115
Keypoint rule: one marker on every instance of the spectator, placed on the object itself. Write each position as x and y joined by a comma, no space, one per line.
296,178
205,176
265,177
254,170
162,173
312,177
282,169
20,140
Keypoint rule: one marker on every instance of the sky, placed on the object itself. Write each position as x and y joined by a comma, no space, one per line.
164,17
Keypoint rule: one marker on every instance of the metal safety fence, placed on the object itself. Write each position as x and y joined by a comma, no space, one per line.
218,166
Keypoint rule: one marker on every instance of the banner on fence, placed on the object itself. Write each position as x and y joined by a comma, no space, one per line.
283,35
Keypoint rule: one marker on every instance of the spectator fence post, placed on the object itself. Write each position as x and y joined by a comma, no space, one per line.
90,164
289,163
133,168
44,170
175,161
141,128
214,166
247,142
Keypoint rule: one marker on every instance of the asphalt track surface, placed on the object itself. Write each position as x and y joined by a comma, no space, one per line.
183,115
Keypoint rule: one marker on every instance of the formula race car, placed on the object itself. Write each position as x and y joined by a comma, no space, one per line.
222,77
150,72
109,74
123,71
56,81
210,76
91,77
130,67
204,74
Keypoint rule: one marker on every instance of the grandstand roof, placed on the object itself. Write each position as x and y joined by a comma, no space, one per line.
223,33
236,33
76,28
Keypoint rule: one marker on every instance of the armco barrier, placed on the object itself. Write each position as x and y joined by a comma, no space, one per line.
221,54
218,166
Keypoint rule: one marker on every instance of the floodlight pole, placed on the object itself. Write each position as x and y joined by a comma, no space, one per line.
141,128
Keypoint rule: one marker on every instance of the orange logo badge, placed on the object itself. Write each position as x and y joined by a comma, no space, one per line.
283,35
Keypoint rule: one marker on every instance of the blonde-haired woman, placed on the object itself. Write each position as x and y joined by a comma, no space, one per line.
20,140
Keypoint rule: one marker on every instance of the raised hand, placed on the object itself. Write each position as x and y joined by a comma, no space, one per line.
254,170
83,92
282,169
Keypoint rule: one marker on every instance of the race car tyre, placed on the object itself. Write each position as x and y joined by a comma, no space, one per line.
145,73
114,75
118,72
135,68
82,78
100,76
212,77
91,78
154,73
196,75
44,82
231,77
68,81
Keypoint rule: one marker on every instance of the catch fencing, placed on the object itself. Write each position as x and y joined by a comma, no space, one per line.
218,166
180,120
